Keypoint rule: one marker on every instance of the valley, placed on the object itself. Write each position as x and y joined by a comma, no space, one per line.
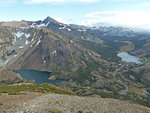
87,61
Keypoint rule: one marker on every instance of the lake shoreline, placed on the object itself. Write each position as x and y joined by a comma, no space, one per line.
39,77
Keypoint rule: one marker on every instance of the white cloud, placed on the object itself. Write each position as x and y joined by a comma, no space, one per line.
65,21
125,18
144,5
57,1
7,2
98,14
124,0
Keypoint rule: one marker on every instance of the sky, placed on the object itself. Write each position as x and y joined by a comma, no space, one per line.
131,13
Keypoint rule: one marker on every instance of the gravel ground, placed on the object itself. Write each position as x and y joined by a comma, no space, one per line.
9,101
55,103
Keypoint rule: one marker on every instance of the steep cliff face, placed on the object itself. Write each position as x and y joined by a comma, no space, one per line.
46,52
12,41
6,42
6,39
51,52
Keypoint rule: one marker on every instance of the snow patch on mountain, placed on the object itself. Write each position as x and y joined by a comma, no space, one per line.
21,47
6,61
54,52
80,30
42,24
68,29
64,27
27,42
27,35
39,41
19,34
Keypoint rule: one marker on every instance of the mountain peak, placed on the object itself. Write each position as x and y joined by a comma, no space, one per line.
49,19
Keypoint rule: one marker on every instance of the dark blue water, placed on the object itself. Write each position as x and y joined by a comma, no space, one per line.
39,77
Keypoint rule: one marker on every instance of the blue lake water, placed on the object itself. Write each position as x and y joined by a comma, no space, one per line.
39,77
128,58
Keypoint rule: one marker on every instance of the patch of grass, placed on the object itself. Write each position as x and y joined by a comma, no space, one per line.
43,88
1,104
125,48
55,111
89,111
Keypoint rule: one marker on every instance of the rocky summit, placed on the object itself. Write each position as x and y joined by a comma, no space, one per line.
54,103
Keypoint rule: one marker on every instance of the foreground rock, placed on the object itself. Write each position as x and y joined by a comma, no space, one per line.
55,103
9,77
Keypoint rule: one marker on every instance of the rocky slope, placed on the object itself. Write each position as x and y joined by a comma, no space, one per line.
9,77
8,101
45,50
15,24
55,103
